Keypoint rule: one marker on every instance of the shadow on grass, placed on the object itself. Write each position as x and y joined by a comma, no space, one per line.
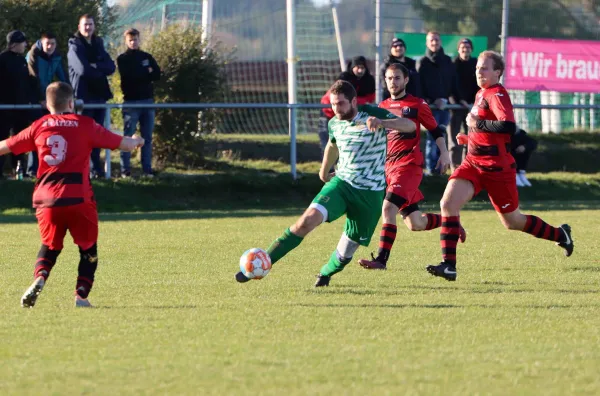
404,290
444,306
175,215
584,269
146,307
333,305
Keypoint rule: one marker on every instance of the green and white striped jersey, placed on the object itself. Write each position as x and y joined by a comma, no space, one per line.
362,152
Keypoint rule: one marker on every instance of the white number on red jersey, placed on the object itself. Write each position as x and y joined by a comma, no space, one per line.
58,150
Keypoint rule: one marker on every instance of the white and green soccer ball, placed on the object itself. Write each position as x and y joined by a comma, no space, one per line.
255,263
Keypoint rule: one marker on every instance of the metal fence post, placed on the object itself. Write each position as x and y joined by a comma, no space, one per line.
292,85
293,133
592,114
107,151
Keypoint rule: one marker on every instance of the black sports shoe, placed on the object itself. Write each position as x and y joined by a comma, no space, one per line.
31,294
443,270
322,280
241,277
568,243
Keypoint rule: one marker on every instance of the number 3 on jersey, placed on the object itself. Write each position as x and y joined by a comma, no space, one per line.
58,150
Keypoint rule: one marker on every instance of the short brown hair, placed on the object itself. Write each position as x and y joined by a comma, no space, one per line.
434,32
399,66
48,35
343,87
497,60
58,95
131,32
86,16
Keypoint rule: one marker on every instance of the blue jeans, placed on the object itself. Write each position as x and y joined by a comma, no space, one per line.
99,115
432,152
145,117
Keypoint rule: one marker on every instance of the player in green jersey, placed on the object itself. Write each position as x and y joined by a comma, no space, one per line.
357,139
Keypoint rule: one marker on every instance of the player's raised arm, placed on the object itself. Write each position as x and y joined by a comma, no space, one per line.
399,124
22,142
4,148
330,156
383,118
437,133
387,120
130,143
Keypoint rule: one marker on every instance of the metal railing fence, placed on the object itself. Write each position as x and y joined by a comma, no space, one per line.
292,107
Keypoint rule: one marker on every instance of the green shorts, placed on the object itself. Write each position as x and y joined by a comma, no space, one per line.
362,208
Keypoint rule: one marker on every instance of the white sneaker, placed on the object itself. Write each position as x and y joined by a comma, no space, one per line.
30,297
82,302
519,181
524,180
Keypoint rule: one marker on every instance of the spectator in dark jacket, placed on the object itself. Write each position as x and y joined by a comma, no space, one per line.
360,77
138,70
397,55
16,87
438,83
467,86
45,65
89,66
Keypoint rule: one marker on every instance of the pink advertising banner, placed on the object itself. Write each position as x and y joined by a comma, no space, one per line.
552,65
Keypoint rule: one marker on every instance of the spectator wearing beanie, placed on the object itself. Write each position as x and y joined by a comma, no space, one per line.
360,77
397,55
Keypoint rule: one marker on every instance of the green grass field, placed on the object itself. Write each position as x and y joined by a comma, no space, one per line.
169,318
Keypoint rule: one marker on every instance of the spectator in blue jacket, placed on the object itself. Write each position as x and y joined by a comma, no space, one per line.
89,67
45,66
45,63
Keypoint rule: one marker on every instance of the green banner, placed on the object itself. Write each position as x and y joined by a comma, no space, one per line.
415,44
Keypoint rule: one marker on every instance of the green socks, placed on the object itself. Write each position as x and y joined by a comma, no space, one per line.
334,265
283,245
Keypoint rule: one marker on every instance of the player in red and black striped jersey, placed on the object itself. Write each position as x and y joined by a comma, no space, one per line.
63,195
404,166
489,166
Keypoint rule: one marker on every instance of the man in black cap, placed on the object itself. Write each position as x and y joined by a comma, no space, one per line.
358,74
16,87
397,55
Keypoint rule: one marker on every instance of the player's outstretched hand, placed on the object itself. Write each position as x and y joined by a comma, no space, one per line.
130,143
139,141
443,163
374,123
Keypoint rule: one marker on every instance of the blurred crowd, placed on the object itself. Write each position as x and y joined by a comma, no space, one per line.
26,72
439,80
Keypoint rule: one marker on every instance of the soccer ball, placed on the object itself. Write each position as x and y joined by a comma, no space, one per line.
255,263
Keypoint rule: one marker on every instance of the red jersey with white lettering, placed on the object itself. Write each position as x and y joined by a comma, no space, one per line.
403,148
64,143
490,151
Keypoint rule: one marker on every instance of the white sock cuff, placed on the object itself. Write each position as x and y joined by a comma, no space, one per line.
321,209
